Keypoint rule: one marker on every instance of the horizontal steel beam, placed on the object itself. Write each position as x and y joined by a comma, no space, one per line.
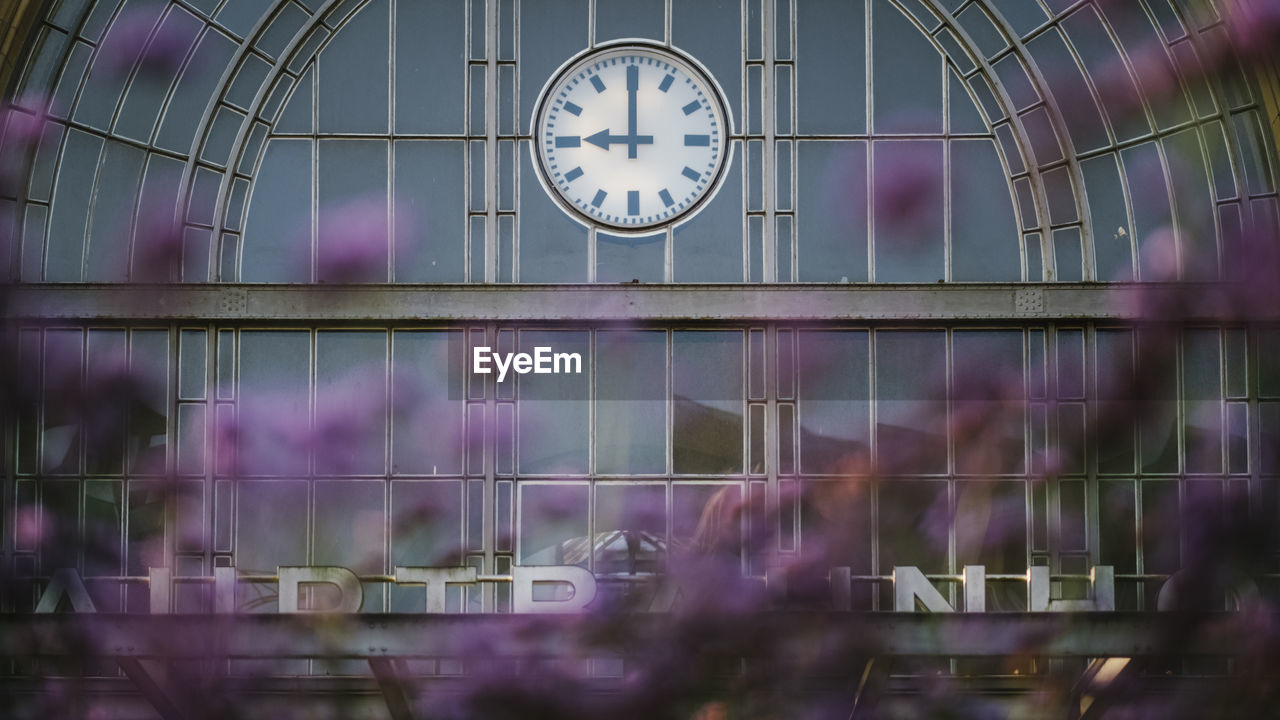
631,303
528,636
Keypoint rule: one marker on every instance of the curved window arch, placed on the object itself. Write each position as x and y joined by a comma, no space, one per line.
174,140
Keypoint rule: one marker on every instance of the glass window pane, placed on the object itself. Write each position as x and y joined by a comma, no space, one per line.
351,403
550,32
275,371
429,75
911,401
709,247
835,407
708,395
831,67
988,407
277,235
1115,400
914,525
149,413
553,524
427,375
907,201
271,527
631,529
106,355
629,19
707,521
984,234
426,523
908,73
553,408
1159,418
553,247
351,195
631,407
429,212
1202,390
991,530
348,528
832,211
353,72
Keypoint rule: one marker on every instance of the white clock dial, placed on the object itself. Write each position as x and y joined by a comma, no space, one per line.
631,137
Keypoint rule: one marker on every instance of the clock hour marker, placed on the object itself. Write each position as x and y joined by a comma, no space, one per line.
666,83
690,173
598,200
666,197
633,202
572,108
691,107
573,174
597,83
689,140
568,141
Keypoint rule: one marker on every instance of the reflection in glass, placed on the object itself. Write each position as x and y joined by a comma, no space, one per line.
631,408
1202,389
1116,404
835,531
707,391
835,406
991,530
1158,433
989,414
426,531
914,524
631,529
707,520
553,524
911,401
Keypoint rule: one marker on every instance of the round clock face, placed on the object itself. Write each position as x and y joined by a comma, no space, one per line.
631,137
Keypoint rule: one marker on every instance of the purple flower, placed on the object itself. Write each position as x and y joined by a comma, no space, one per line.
353,241
131,43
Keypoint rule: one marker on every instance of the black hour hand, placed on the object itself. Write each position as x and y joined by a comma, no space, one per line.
604,139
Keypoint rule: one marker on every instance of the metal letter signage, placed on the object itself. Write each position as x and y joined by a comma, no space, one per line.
571,589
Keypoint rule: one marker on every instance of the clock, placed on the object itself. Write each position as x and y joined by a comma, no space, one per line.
631,137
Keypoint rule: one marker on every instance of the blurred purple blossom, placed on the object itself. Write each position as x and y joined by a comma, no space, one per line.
136,41
354,240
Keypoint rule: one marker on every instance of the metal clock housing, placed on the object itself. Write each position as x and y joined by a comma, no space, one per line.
631,136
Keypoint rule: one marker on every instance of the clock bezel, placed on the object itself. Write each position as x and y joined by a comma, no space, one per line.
583,58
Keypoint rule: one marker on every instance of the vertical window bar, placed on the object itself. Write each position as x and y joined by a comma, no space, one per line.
768,100
492,14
